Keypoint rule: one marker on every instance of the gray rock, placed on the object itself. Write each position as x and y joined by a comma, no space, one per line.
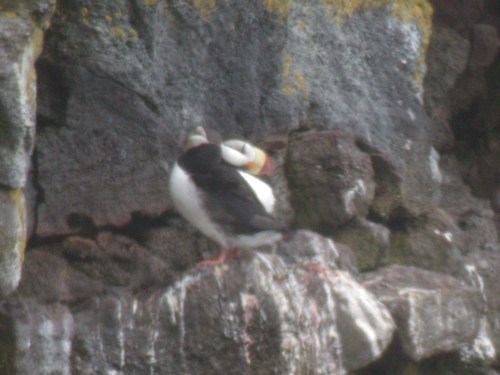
446,59
107,162
434,313
307,247
12,239
43,338
19,48
428,242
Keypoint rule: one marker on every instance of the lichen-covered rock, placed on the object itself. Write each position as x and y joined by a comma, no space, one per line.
434,313
330,179
12,239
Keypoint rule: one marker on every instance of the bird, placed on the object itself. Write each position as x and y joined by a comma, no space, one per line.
212,187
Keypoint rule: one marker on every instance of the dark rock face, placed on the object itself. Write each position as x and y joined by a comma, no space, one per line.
331,181
118,143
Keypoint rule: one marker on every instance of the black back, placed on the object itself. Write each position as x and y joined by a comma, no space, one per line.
228,198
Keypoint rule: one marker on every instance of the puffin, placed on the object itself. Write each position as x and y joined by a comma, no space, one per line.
213,187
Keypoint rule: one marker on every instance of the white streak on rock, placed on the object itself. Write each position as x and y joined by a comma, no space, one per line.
44,338
174,299
448,236
359,189
436,174
482,347
250,304
329,337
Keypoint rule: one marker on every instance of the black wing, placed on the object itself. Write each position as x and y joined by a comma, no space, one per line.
228,198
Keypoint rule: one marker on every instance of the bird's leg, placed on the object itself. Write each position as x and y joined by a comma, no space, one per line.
225,254
233,253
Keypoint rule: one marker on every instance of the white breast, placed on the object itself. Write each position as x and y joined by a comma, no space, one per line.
187,201
262,190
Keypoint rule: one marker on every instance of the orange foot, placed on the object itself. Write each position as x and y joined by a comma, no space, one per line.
221,258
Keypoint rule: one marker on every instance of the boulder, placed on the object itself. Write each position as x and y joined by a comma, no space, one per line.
330,179
434,313
256,317
480,270
370,242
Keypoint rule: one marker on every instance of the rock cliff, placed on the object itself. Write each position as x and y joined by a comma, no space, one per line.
383,118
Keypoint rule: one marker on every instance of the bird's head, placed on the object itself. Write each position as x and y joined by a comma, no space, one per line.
200,135
243,155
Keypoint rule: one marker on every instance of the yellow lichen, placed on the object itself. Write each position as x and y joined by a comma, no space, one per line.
419,12
108,18
84,11
17,196
408,11
119,32
133,34
302,25
204,7
281,7
293,80
9,14
150,2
